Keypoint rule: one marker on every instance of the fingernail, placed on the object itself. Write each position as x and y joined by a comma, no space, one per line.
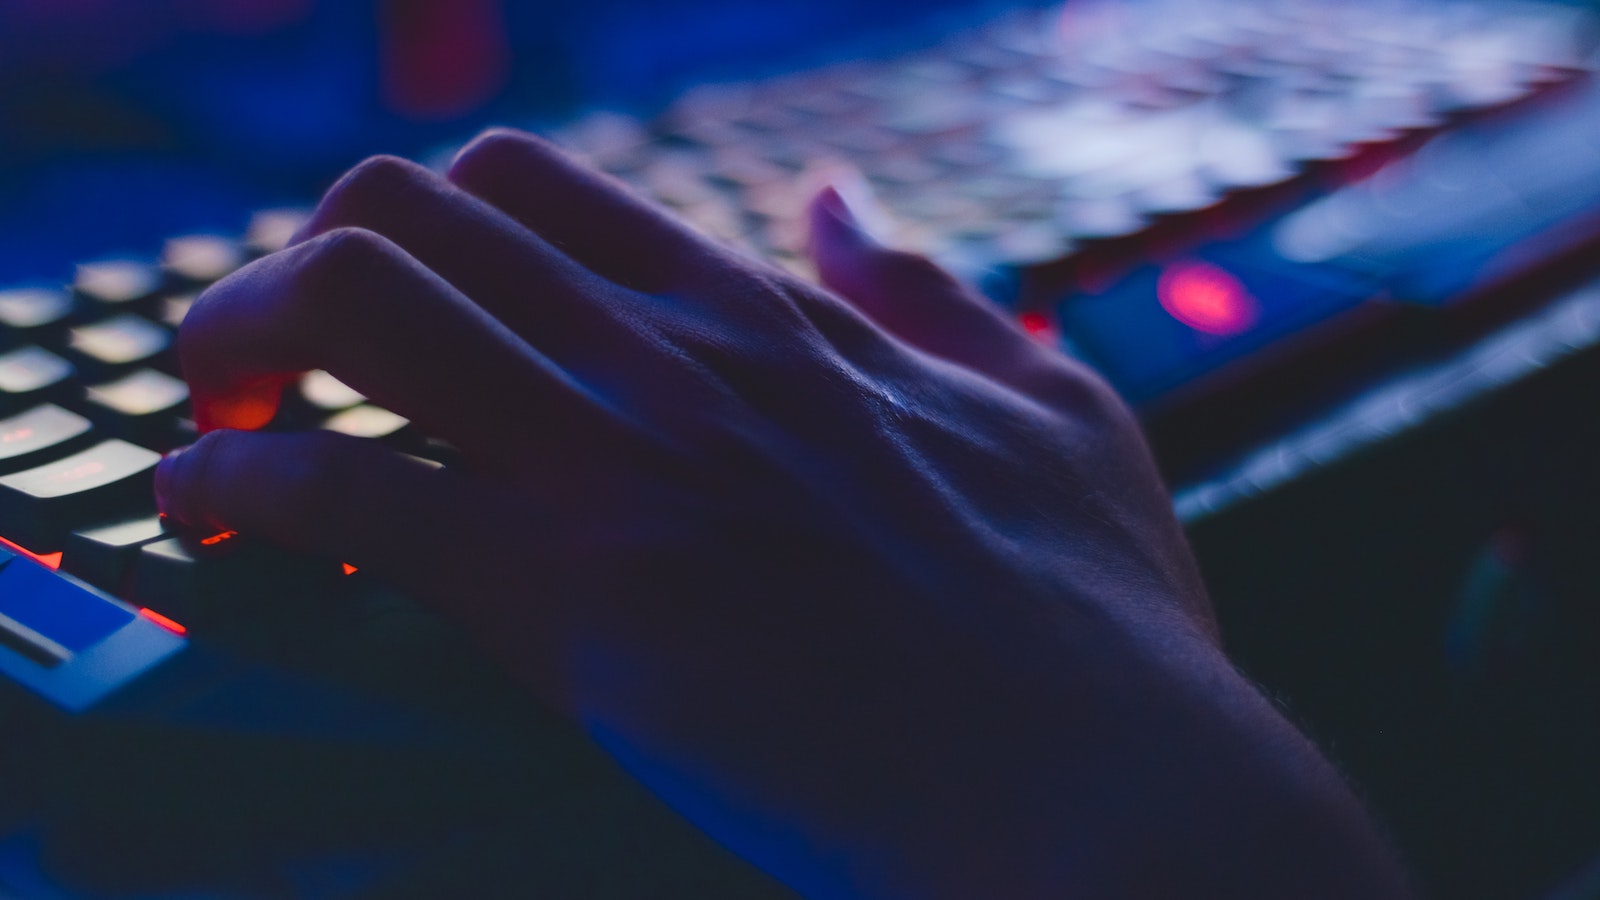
166,479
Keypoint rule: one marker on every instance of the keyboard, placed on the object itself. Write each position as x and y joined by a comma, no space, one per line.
1111,173
1211,203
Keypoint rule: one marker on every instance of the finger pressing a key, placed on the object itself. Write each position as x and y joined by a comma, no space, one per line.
353,303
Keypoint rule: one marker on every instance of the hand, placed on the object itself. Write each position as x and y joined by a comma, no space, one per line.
875,590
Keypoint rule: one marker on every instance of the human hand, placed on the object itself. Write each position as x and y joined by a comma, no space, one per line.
878,592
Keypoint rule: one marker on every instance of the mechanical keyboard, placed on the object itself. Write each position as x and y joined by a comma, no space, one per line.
1220,206
1111,172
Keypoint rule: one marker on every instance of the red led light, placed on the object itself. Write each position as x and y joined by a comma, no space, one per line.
218,538
1206,298
1035,324
349,569
163,621
48,560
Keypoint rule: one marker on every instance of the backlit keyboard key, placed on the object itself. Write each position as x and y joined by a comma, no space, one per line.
39,506
271,229
201,258
33,314
224,581
34,437
104,556
325,392
119,341
368,422
30,375
143,406
117,282
173,309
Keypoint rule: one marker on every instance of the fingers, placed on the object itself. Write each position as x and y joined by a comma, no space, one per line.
514,274
597,220
353,303
335,496
910,296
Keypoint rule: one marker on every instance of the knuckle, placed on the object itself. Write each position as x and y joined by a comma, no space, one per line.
347,255
375,179
491,149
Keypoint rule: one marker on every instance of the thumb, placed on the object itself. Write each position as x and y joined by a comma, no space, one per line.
906,294
332,495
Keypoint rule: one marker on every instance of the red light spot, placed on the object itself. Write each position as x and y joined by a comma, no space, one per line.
48,560
218,538
163,621
21,434
1206,298
349,569
1035,324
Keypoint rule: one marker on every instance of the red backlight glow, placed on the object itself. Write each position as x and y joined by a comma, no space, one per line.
48,560
218,538
1036,324
163,621
1206,298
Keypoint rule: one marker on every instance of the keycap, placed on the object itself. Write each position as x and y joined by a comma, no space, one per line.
369,422
104,556
29,315
143,407
175,308
271,229
40,506
223,581
71,645
117,343
30,375
53,608
40,434
201,258
117,282
325,392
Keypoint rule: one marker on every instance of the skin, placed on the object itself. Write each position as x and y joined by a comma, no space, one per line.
875,590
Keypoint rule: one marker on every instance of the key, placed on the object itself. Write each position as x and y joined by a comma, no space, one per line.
173,309
117,343
201,258
30,375
325,392
271,229
40,434
105,556
369,422
142,407
39,506
30,315
222,581
117,283
40,601
70,645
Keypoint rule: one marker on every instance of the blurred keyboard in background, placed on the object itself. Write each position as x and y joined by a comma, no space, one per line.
1110,170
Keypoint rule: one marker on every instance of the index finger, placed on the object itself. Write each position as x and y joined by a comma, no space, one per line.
353,303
